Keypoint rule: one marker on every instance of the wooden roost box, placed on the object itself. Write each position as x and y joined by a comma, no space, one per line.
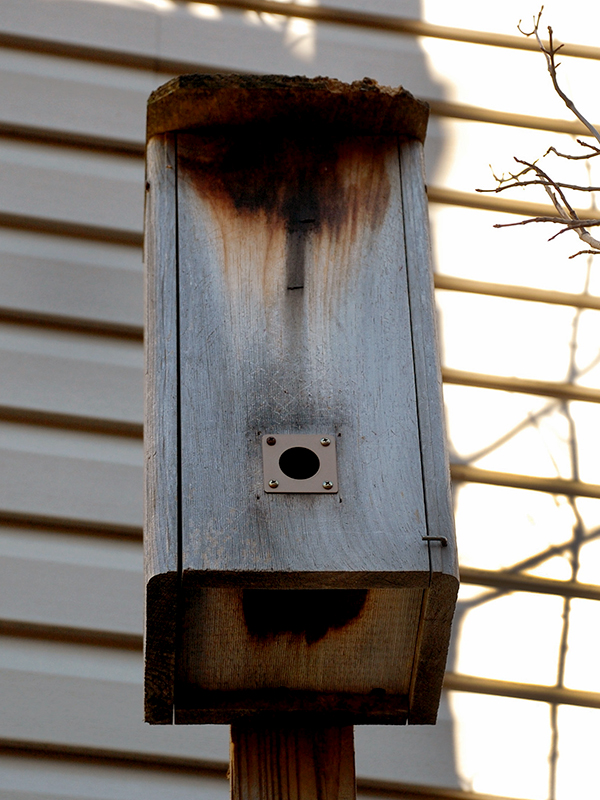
300,553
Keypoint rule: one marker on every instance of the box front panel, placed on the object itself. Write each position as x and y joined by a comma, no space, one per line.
294,318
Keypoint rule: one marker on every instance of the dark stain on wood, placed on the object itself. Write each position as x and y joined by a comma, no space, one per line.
302,181
290,707
308,613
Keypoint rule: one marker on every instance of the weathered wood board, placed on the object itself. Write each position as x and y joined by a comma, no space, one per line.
292,299
344,653
303,301
161,510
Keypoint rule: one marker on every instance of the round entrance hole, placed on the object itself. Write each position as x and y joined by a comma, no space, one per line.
299,463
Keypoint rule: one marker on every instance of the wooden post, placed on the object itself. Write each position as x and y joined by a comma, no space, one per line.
291,763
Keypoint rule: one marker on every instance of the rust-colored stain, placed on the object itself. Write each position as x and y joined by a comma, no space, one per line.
282,163
297,187
308,613
305,182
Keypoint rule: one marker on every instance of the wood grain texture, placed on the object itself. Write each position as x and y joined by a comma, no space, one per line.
363,107
440,599
438,607
296,316
270,763
346,653
161,516
332,354
434,452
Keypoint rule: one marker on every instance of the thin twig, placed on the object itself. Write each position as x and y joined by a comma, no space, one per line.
586,252
569,224
566,217
585,156
575,187
550,53
549,184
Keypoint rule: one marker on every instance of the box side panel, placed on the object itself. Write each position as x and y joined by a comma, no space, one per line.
432,649
440,599
161,426
434,452
159,648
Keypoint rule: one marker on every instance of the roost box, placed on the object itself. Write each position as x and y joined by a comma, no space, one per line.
299,535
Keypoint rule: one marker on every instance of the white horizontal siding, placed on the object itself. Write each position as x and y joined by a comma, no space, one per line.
470,146
87,189
107,26
55,278
84,583
226,39
487,85
474,15
37,778
231,39
70,96
58,373
506,342
90,698
70,477
467,246
410,9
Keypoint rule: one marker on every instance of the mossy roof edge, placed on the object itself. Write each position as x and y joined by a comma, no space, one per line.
360,108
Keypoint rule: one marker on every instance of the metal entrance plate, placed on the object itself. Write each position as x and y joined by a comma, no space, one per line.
299,463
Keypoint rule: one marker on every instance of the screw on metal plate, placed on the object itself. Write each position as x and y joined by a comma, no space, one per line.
271,440
325,441
273,484
442,539
327,485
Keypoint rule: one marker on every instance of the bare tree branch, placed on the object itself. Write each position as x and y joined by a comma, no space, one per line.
569,224
586,252
540,182
550,53
585,156
532,173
